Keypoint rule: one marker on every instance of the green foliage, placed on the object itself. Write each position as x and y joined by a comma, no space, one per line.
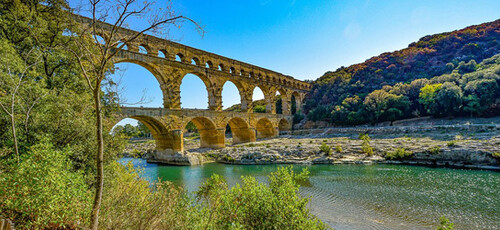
364,137
297,117
387,87
132,203
451,143
324,148
254,205
399,153
435,150
44,191
338,148
496,155
259,109
366,148
445,224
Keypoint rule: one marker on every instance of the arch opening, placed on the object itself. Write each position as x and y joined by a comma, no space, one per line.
278,102
143,128
135,83
221,67
194,92
209,65
143,49
295,107
210,137
284,126
162,53
97,38
240,131
195,61
258,100
265,128
179,57
231,96
122,45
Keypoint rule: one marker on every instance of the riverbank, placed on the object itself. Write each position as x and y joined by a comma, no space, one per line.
460,145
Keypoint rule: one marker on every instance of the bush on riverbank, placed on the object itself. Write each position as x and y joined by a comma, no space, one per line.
399,153
254,205
44,191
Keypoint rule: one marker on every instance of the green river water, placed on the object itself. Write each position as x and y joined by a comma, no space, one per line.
370,196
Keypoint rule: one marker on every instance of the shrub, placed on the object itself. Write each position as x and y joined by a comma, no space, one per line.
131,203
496,155
325,149
43,191
435,150
254,205
451,143
364,137
399,153
338,148
445,224
366,148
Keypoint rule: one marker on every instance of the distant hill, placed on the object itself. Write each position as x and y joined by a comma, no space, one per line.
431,56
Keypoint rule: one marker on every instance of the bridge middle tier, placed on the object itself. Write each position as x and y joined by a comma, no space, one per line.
168,126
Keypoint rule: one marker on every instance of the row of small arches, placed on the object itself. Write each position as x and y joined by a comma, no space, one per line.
209,64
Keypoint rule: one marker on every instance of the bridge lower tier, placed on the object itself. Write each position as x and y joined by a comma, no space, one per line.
168,126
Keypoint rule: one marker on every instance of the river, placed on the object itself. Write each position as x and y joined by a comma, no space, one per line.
370,196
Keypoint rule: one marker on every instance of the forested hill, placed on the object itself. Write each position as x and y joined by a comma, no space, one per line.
431,56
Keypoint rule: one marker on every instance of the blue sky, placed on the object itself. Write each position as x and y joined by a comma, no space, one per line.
303,39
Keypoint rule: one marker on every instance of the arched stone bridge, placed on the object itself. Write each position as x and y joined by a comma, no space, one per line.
167,126
169,62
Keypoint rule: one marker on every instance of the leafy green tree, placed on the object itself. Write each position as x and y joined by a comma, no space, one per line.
449,100
483,92
427,97
44,191
259,109
254,205
382,105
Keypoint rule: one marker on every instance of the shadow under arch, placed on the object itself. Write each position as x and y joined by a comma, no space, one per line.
158,130
241,131
284,125
210,136
265,128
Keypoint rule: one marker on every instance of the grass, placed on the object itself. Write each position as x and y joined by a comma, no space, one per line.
451,143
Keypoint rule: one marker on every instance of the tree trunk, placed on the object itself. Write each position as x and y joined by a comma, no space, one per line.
14,135
99,160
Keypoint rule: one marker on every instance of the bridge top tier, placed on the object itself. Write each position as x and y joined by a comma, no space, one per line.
154,45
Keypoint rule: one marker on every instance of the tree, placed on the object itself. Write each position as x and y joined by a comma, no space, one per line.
382,105
448,100
15,87
427,97
94,56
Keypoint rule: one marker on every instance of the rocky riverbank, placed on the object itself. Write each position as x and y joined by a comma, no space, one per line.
476,146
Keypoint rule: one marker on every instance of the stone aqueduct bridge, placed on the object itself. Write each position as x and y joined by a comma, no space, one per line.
169,62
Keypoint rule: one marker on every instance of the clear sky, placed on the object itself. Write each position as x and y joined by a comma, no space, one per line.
304,39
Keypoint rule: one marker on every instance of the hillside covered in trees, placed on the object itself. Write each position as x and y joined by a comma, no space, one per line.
439,75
